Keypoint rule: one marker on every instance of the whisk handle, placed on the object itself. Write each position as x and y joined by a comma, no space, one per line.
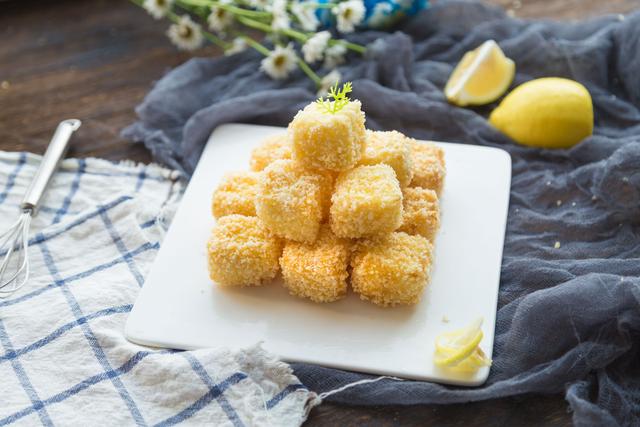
55,153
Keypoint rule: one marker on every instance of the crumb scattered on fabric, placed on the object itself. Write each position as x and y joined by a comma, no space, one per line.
5,84
445,319
558,202
625,179
621,17
511,13
548,183
594,198
573,203
557,245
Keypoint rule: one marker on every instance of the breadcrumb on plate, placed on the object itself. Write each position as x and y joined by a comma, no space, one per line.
273,148
242,252
367,201
393,269
236,194
421,212
391,148
429,168
292,201
322,140
317,271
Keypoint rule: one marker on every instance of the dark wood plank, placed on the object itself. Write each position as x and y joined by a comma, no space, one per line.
96,59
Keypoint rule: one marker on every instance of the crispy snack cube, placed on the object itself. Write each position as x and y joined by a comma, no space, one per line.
242,252
322,140
317,271
367,201
391,148
428,166
272,148
292,200
392,269
421,213
236,194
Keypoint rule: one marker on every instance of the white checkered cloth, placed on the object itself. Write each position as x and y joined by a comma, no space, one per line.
63,356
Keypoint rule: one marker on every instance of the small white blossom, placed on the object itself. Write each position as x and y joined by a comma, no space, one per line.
219,19
280,62
237,45
334,55
313,49
157,8
380,15
185,34
280,16
349,14
306,14
328,81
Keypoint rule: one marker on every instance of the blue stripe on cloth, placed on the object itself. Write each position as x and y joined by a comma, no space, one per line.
43,237
148,224
83,385
75,184
143,248
11,355
11,179
206,378
284,393
141,177
212,394
122,248
24,380
88,333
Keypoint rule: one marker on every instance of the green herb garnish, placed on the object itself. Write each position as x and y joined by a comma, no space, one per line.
340,98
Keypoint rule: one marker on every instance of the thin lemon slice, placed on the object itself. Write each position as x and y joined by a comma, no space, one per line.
460,349
481,77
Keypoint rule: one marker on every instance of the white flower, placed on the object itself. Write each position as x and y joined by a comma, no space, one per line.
314,48
157,8
280,16
219,19
185,34
380,15
306,14
280,62
328,81
349,14
237,45
334,55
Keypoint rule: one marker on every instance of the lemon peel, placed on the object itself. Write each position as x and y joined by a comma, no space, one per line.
481,77
459,349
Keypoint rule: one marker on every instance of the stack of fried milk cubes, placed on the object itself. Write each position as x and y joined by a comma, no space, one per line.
331,204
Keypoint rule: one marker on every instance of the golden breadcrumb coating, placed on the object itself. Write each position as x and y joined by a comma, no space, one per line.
317,271
367,201
393,269
421,213
292,200
322,140
242,252
236,194
391,148
273,148
428,166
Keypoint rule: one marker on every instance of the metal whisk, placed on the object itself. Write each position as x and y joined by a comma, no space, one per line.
14,242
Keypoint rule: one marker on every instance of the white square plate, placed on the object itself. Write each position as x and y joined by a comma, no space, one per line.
180,307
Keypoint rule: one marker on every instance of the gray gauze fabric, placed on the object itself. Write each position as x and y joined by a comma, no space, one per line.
568,317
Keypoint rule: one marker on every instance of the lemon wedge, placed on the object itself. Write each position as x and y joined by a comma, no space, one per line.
481,77
459,349
550,112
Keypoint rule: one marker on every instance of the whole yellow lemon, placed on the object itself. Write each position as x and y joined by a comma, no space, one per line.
551,112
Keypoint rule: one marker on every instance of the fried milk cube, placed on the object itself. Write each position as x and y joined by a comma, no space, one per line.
317,271
392,269
421,212
273,148
391,148
367,201
292,200
428,166
236,194
322,140
242,252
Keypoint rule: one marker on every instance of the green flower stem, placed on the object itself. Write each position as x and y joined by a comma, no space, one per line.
233,9
309,72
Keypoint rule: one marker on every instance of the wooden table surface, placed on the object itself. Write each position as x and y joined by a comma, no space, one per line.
96,59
